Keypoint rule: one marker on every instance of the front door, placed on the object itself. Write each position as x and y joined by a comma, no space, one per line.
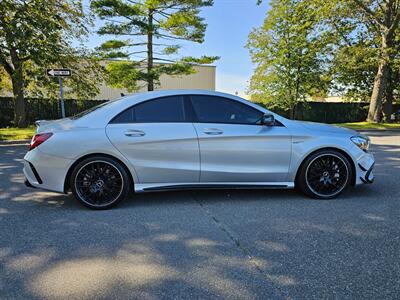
234,147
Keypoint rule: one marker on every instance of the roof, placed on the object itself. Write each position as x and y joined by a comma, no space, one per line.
103,115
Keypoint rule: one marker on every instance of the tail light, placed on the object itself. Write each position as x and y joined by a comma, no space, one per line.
39,139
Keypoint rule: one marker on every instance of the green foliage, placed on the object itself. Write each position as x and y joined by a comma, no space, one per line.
5,83
35,35
43,109
309,48
149,29
124,74
39,29
83,84
288,52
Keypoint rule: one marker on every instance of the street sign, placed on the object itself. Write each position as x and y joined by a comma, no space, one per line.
58,72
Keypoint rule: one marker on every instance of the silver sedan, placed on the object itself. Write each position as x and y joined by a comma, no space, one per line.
189,139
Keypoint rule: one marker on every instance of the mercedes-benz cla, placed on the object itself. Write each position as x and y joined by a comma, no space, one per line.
188,139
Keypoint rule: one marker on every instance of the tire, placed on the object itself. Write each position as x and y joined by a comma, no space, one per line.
324,174
100,182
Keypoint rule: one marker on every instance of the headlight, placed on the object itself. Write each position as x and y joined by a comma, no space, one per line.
361,141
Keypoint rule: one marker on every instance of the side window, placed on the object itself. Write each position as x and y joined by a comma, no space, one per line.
125,117
212,109
167,109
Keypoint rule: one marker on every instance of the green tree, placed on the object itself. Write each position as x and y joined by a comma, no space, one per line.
5,84
288,51
365,64
87,72
384,17
362,42
353,63
149,27
36,34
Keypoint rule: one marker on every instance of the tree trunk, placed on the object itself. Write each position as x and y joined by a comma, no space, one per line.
19,106
375,106
388,104
150,79
293,112
18,90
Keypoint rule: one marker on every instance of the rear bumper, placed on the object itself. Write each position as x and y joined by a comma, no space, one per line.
45,171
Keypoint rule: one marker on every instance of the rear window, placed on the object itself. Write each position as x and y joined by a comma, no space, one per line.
160,110
88,111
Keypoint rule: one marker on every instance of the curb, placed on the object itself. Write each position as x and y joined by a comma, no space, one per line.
381,130
14,142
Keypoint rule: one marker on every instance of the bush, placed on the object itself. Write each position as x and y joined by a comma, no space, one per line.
42,109
324,112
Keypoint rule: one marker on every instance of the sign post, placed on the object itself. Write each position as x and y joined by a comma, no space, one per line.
60,73
61,97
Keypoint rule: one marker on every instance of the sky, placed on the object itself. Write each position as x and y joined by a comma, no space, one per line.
229,24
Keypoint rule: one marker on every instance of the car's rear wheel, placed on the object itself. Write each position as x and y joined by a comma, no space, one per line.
325,174
99,182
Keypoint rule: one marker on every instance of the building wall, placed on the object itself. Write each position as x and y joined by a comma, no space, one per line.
203,79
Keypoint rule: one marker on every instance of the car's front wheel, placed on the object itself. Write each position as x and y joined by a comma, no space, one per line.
324,174
99,182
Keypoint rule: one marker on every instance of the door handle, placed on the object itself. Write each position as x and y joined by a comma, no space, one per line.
134,133
213,131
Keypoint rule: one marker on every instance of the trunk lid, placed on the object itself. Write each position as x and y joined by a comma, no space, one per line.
53,125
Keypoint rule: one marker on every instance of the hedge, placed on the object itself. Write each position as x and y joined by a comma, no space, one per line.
42,109
46,109
325,112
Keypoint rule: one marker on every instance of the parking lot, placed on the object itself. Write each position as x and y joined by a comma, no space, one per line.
203,244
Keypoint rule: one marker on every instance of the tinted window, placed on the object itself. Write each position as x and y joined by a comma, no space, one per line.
88,111
124,117
168,109
211,109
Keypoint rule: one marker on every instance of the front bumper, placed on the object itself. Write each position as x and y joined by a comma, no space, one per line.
364,165
368,177
45,171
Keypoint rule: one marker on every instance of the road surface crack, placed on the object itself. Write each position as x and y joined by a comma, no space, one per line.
242,248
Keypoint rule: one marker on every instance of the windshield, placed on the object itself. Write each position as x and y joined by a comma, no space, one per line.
85,112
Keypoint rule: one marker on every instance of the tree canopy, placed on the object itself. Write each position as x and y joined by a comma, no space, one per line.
39,34
149,29
287,52
357,47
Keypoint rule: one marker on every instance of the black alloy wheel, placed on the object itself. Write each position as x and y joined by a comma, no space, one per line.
99,182
325,174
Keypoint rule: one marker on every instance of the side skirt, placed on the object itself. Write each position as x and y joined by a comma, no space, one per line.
148,187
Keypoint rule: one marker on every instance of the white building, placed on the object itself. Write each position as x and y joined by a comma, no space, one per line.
203,79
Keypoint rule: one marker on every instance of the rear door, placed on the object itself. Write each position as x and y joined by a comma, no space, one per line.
234,147
158,140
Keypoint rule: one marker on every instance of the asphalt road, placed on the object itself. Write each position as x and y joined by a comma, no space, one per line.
208,244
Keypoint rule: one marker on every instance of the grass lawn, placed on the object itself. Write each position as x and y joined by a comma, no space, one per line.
7,134
367,125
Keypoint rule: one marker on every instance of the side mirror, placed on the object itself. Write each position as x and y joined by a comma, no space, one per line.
268,120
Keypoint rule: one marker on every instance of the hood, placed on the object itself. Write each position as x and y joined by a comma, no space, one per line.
55,125
325,128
